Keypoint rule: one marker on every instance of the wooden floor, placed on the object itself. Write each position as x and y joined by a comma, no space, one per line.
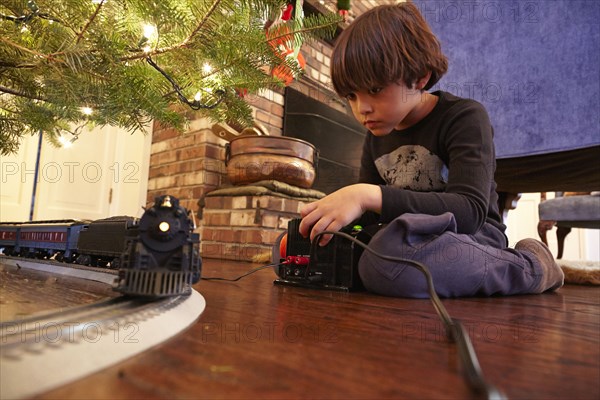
24,292
256,340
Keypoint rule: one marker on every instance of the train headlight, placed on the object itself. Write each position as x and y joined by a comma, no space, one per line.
164,226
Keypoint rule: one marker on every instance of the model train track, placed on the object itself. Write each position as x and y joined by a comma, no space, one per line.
104,275
15,261
73,324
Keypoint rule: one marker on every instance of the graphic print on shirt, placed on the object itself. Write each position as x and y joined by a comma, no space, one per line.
413,167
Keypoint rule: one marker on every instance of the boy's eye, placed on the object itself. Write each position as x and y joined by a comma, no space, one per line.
350,96
375,90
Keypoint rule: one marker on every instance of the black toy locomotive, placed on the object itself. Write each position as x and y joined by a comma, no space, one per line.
162,259
156,255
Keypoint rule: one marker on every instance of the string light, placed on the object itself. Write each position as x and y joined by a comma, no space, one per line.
149,31
63,139
66,143
86,110
195,104
25,18
149,35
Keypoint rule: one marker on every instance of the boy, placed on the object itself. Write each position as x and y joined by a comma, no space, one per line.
427,170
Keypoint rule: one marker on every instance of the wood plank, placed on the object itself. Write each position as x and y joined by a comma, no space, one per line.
259,340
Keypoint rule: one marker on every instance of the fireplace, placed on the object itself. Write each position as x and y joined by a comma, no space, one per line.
337,136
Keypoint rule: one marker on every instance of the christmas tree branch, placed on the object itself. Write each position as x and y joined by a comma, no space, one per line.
6,90
25,49
53,57
210,11
143,55
187,43
9,64
89,22
184,44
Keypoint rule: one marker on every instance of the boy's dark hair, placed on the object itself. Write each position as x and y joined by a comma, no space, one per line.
386,44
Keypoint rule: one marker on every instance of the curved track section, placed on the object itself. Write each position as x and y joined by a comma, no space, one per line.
48,350
103,275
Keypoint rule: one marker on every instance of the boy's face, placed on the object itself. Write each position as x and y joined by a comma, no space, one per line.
394,106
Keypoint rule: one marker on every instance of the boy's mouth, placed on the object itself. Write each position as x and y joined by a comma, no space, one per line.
371,124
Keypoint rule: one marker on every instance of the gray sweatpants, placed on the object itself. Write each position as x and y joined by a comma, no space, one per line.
460,264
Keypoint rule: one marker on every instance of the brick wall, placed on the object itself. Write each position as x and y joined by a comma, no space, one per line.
187,165
244,228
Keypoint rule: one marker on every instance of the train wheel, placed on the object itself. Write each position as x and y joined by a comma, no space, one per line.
83,259
115,263
60,257
71,258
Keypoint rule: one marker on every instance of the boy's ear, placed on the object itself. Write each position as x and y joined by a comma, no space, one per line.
420,84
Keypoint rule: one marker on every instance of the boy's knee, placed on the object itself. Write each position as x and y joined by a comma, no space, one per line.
392,279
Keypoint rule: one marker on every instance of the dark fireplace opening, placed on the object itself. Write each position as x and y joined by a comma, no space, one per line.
337,136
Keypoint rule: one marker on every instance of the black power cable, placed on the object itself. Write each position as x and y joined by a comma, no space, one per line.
195,104
241,276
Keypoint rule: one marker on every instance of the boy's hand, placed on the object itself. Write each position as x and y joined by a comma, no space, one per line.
338,209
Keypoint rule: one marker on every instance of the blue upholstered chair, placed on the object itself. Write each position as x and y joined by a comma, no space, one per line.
566,212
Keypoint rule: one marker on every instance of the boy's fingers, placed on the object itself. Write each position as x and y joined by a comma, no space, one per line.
325,239
333,226
307,209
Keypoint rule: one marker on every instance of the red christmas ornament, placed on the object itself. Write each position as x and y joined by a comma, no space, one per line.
343,7
286,15
283,72
241,92
282,44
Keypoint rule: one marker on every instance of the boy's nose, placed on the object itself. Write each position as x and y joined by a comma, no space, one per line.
363,106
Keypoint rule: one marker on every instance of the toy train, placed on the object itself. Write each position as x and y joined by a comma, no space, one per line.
156,255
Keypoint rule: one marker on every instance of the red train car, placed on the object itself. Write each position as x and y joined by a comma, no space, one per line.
41,239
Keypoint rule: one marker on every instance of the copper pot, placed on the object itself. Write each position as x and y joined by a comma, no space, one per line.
251,159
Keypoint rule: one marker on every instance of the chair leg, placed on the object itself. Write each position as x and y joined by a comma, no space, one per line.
561,234
543,227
